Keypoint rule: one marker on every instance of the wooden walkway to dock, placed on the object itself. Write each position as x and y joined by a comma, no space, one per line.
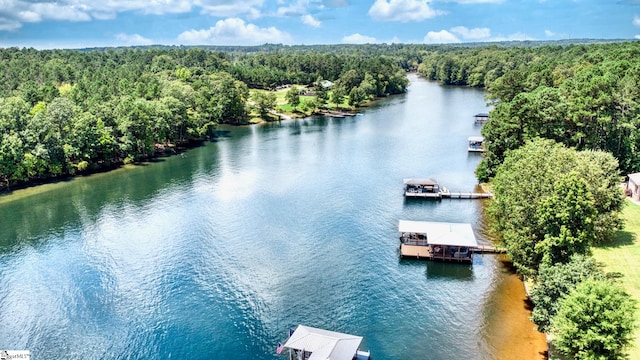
488,249
465,195
423,252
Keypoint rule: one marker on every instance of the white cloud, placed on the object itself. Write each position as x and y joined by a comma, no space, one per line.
637,37
13,13
472,34
636,21
29,16
9,24
298,8
358,39
440,37
311,21
456,35
133,39
549,33
234,31
55,11
402,10
229,8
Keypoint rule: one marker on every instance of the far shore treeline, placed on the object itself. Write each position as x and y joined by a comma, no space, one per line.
64,112
67,111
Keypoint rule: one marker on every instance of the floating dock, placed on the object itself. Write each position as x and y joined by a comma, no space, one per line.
423,252
336,114
481,118
428,188
446,194
476,144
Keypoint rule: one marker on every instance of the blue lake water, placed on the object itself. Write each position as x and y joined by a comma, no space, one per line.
217,253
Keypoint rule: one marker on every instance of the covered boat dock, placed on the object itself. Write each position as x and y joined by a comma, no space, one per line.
437,240
481,118
422,187
308,343
476,143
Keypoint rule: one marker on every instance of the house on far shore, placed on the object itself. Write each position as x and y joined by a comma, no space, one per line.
633,186
326,84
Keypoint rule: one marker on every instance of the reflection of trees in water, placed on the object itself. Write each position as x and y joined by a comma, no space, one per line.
457,271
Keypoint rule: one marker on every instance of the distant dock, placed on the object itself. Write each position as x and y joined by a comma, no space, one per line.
336,114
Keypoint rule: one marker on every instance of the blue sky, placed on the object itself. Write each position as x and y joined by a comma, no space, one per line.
46,24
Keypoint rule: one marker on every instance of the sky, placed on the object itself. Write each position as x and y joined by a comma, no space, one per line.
47,24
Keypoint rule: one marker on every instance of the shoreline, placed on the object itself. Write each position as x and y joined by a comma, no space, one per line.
510,334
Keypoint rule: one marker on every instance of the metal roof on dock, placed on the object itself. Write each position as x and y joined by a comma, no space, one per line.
420,181
324,344
441,233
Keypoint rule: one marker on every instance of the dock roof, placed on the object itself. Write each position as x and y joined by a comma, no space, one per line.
420,181
324,344
476,138
441,233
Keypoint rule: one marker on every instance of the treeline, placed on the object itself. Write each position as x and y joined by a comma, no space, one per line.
66,111
584,96
551,205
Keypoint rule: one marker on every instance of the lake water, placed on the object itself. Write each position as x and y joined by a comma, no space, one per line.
215,254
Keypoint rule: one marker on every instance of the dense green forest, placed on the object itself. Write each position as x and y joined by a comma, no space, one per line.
68,111
584,96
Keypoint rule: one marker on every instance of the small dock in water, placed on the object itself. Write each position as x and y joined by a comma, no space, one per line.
424,252
336,113
481,118
428,188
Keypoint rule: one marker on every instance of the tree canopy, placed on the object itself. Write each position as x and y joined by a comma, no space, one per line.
594,321
551,201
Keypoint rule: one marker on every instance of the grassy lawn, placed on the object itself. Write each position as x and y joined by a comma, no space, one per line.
623,256
301,110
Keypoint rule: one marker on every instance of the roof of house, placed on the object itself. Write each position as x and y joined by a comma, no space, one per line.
441,233
326,83
324,344
635,178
